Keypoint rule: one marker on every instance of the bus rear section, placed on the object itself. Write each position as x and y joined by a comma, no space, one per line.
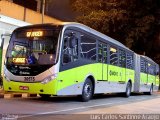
146,75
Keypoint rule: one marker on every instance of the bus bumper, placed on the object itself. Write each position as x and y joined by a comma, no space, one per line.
38,88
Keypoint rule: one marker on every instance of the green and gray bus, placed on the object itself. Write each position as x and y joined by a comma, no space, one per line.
73,59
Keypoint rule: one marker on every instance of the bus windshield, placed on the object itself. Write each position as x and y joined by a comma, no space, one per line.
29,49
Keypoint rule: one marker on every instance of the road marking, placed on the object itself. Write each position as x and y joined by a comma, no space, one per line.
141,99
78,108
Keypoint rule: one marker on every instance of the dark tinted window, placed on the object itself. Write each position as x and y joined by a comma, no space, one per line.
151,69
143,66
105,53
102,52
122,58
129,61
70,47
88,47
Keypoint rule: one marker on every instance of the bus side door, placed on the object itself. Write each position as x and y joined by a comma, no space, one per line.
102,59
67,78
122,64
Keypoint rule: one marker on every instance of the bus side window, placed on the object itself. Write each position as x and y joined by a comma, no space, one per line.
113,56
129,61
88,47
144,65
122,58
102,52
70,48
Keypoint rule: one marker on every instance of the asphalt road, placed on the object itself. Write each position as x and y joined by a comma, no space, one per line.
68,108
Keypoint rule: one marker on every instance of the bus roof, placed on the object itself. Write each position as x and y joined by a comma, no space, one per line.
79,25
147,58
95,32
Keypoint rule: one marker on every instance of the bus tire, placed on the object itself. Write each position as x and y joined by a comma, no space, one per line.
150,91
87,91
44,96
128,90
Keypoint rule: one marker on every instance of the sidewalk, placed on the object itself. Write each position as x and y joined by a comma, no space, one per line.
8,95
150,106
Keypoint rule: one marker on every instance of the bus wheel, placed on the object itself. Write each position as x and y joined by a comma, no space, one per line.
128,89
150,91
87,91
44,95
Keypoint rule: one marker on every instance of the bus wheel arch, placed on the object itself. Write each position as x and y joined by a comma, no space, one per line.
150,90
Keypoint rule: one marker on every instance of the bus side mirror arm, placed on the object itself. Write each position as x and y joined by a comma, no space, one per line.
3,37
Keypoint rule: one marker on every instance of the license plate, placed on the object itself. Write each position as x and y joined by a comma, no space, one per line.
23,87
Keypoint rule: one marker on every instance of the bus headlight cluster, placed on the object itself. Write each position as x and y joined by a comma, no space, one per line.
48,79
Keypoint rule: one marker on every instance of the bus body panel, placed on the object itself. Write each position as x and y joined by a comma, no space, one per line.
104,72
109,87
75,77
114,73
143,78
157,80
123,75
38,88
145,84
130,75
70,82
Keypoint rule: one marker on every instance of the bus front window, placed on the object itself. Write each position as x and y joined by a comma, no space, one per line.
32,49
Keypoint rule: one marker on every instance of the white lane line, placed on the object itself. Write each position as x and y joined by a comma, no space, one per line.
65,110
79,108
139,99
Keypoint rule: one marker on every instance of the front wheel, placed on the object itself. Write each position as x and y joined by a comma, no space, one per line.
128,90
87,91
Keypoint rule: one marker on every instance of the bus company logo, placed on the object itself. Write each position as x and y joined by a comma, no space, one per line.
113,73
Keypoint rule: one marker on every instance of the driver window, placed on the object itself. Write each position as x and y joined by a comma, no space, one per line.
19,51
70,47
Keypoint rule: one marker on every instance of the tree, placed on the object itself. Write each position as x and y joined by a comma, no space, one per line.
131,22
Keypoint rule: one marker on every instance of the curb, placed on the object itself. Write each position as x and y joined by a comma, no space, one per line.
1,90
16,95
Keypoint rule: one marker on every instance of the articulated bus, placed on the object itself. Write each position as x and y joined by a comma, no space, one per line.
73,59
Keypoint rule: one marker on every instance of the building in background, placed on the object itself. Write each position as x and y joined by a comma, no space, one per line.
30,4
64,8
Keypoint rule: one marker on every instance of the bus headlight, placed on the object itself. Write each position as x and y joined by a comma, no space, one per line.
48,79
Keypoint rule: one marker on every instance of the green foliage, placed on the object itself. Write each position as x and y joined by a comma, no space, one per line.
132,22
